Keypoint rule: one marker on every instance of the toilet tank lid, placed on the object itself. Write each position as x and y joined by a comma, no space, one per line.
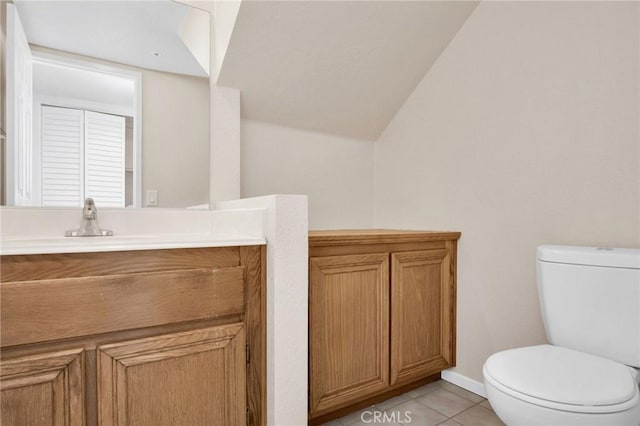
562,375
591,256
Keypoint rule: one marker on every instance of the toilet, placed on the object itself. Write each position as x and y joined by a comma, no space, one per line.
589,373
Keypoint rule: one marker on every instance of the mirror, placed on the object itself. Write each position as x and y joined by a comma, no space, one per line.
105,99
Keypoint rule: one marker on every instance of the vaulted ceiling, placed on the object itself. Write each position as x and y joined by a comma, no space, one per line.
335,67
338,67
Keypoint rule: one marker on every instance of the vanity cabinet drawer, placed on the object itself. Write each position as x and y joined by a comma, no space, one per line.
38,311
32,267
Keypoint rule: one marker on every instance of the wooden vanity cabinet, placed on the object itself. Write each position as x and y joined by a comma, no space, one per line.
381,315
157,337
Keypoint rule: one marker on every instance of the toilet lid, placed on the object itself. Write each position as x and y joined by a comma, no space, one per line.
562,376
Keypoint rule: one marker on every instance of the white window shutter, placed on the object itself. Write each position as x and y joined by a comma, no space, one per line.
62,156
104,159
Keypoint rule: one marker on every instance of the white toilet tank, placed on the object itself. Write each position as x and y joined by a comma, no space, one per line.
590,300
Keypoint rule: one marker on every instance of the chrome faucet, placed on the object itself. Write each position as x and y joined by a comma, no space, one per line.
89,225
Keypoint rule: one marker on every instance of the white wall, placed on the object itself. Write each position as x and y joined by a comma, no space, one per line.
175,138
335,172
524,132
224,148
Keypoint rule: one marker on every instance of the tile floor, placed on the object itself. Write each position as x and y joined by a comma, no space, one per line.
438,403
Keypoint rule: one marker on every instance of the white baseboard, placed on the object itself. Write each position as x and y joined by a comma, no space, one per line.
464,382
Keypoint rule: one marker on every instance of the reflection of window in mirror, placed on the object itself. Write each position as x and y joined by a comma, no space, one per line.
82,156
85,140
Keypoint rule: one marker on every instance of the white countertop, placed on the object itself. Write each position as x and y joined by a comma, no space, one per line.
16,246
41,230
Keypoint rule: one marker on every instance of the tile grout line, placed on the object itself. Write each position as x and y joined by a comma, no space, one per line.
466,409
439,412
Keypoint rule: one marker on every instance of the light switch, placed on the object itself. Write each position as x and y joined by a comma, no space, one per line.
152,197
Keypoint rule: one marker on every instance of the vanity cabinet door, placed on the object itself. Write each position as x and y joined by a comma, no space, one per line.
422,315
349,328
44,389
188,378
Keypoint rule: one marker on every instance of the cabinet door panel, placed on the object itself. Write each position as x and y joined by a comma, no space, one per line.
421,310
349,332
191,378
44,389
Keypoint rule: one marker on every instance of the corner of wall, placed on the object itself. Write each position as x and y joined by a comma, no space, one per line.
224,168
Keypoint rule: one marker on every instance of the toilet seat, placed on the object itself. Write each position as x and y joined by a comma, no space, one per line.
563,379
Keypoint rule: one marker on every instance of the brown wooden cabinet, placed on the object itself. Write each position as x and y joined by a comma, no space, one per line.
381,315
160,337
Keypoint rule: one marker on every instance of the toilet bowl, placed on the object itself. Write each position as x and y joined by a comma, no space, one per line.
588,374
549,385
